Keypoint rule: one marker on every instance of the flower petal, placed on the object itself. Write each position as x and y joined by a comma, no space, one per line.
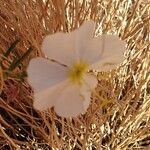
106,64
70,103
64,47
113,45
82,35
85,31
92,50
42,74
107,53
87,88
47,98
60,47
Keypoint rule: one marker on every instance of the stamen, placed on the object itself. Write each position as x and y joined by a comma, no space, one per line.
77,71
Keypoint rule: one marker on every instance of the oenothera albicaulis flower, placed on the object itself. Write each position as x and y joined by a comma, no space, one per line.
63,80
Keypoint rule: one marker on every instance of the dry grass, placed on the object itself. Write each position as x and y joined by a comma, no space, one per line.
118,117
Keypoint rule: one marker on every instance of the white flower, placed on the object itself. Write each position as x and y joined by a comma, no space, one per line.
65,83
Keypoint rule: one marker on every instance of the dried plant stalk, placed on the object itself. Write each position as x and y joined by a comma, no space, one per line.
118,117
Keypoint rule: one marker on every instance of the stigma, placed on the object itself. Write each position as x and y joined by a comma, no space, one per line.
77,71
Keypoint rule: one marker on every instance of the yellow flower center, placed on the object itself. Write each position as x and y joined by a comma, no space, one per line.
77,71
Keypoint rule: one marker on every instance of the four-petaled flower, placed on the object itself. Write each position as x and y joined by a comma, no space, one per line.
63,81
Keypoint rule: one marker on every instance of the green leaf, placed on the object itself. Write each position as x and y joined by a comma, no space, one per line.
9,50
17,61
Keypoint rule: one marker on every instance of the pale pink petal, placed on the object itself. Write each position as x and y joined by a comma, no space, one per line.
47,98
87,88
113,45
107,53
44,100
82,35
60,47
85,31
42,74
65,47
70,102
107,64
92,50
